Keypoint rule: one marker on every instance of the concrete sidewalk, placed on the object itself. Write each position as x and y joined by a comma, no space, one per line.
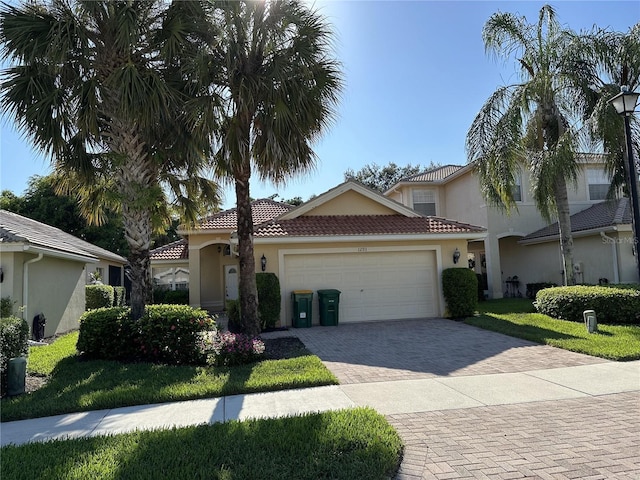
388,397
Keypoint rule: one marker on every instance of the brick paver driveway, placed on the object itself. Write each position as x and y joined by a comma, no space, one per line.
586,438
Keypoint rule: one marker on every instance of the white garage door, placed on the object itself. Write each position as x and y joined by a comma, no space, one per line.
374,285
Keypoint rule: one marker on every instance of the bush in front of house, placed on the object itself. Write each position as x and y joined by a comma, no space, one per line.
612,305
228,349
460,290
165,334
268,299
106,333
173,297
14,337
171,333
233,316
98,296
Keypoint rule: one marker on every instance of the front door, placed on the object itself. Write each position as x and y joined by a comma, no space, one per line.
231,282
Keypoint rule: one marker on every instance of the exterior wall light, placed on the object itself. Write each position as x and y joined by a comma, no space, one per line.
263,262
456,255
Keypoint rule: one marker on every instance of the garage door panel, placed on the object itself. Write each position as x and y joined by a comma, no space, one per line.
374,285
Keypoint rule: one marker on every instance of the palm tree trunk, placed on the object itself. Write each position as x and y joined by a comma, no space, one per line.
247,284
136,181
564,227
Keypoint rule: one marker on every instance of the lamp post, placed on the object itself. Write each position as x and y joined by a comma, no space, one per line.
625,103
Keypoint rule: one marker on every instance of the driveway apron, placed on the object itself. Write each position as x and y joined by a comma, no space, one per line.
580,429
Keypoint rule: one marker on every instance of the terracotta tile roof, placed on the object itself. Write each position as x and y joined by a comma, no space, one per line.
434,174
313,226
262,211
178,250
15,228
600,215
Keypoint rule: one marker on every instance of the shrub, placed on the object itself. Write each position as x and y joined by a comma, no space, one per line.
14,337
460,290
612,305
534,288
170,334
173,297
98,296
106,333
119,296
268,299
227,349
165,334
233,314
6,307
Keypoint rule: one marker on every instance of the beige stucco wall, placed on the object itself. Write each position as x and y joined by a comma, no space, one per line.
56,287
351,203
273,253
542,262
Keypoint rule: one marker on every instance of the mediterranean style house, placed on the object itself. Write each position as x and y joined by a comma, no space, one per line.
385,252
44,270
522,247
385,258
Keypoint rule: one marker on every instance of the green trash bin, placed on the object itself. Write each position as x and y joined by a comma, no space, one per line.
302,308
17,376
329,303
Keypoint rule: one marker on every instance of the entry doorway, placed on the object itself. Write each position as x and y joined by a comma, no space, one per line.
231,282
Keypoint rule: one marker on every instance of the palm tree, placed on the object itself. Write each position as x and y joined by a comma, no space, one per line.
529,124
93,84
617,57
276,87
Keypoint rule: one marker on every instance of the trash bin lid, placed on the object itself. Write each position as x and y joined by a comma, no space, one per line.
329,291
302,291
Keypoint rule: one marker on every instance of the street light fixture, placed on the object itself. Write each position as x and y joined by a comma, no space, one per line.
625,104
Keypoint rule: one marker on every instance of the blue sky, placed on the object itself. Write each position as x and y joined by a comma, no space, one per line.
416,74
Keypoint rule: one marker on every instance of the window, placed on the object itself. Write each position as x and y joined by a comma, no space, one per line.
424,202
517,188
598,183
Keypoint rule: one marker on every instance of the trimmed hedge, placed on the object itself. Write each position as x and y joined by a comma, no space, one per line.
268,299
460,290
99,296
612,305
14,337
173,297
165,334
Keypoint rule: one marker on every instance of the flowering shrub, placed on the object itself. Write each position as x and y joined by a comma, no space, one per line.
226,348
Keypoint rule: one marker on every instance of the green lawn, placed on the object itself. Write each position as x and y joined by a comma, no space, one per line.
350,444
75,385
516,317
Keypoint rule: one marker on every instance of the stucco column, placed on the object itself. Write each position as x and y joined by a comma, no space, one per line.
194,277
494,272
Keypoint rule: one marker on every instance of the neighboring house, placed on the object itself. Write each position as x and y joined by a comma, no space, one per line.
519,246
45,270
383,256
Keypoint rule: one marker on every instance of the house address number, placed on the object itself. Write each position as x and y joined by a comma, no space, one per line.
362,249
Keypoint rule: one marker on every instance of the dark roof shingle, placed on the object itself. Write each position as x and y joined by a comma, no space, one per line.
15,228
600,215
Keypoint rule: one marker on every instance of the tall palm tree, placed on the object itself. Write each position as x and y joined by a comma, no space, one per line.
93,85
276,86
617,58
530,124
